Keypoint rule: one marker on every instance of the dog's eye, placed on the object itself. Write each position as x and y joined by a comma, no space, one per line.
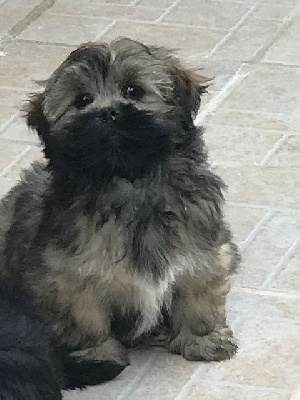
133,92
83,100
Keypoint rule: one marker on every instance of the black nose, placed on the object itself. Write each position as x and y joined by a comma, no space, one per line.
108,114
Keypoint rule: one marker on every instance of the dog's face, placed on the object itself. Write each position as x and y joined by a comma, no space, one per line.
115,110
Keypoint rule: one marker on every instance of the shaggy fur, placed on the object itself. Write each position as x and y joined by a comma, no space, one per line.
122,232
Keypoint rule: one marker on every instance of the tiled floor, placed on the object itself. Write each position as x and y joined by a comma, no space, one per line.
252,114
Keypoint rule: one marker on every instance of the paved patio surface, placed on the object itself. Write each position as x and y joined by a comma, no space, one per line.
252,114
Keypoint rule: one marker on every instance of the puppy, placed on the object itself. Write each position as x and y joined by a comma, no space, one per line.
121,233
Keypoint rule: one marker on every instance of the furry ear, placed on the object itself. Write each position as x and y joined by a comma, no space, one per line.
35,116
189,85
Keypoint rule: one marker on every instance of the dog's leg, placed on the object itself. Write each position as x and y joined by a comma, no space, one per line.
198,315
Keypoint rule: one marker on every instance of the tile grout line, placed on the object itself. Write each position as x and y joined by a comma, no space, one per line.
281,29
214,103
232,31
264,292
105,30
14,162
167,11
262,207
5,124
266,218
280,266
136,382
274,150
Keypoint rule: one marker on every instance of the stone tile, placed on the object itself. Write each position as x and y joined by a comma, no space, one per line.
5,186
277,187
34,154
64,6
8,15
165,378
12,98
288,155
206,391
250,119
55,28
283,50
156,3
188,40
271,89
218,71
112,11
267,11
208,14
25,62
230,146
289,277
261,305
18,131
268,356
242,220
6,113
8,153
264,253
244,44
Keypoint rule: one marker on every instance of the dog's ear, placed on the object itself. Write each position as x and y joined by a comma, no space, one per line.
35,116
189,85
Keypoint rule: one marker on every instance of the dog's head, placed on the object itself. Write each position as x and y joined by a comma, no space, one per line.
115,109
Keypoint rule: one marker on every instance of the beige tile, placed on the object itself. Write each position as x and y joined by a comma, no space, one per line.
264,253
242,220
244,44
211,14
267,11
283,51
268,356
156,3
188,40
278,187
9,17
218,71
5,186
261,305
228,146
289,277
18,131
34,154
270,89
90,6
6,113
206,391
112,11
56,28
164,380
25,62
12,98
8,153
250,119
288,155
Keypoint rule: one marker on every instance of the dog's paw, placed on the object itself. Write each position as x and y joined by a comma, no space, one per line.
109,350
218,345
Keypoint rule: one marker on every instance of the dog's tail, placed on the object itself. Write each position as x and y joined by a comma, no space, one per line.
31,367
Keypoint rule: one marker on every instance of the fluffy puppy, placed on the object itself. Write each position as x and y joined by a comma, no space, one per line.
122,231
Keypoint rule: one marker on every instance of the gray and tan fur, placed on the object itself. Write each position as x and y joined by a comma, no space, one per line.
122,231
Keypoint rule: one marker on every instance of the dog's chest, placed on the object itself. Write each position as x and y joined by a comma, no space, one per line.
103,262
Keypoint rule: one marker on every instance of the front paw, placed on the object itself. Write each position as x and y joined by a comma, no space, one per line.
217,345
